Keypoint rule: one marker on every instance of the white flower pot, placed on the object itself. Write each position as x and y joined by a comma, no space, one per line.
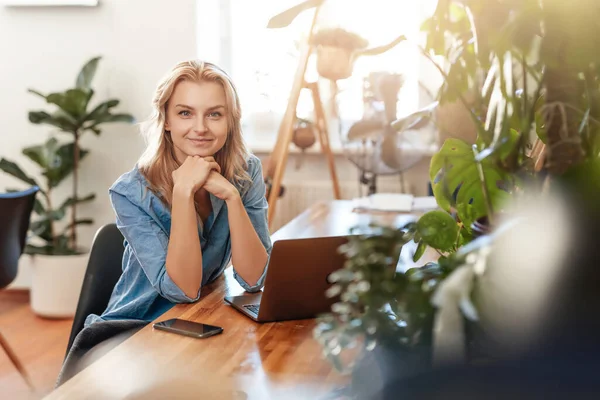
56,283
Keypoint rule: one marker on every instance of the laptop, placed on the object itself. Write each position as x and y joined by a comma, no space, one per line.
296,281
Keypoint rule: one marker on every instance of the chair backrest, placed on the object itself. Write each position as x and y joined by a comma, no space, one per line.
102,273
15,214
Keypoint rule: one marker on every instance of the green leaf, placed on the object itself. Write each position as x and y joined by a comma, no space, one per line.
14,170
57,119
63,164
101,109
39,117
56,215
66,120
128,118
56,160
41,227
86,221
33,91
506,145
438,229
107,118
70,201
73,101
87,73
419,252
417,237
454,169
42,155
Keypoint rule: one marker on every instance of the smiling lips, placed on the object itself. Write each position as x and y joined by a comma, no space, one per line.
200,141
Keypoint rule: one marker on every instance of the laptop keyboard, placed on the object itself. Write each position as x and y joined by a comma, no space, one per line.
253,308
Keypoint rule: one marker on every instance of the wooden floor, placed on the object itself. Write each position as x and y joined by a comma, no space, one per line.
39,343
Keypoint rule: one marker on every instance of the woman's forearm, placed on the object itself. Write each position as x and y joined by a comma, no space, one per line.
184,256
247,251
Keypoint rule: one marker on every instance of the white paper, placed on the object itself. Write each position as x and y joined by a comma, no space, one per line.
425,203
395,202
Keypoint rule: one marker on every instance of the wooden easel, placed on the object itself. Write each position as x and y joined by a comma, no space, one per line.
278,159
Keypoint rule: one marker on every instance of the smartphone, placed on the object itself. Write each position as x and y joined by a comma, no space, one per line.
188,328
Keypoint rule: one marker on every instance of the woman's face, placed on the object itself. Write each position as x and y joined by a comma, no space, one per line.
196,117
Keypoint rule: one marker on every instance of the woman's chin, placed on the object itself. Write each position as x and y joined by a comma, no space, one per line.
201,152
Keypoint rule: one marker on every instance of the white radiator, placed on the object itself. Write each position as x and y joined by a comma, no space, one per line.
301,195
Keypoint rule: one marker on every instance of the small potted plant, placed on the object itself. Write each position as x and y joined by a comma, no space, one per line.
336,52
57,260
337,49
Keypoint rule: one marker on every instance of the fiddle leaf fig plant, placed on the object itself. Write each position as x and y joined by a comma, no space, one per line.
71,114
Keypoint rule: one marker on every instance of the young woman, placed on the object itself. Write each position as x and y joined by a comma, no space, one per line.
195,199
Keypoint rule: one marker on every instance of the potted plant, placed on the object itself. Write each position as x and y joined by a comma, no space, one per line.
337,49
536,78
58,261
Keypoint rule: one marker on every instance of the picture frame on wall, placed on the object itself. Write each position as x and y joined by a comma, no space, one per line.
48,3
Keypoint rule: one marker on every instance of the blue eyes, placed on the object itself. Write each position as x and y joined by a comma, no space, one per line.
214,114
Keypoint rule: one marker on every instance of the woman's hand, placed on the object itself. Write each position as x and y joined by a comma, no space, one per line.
193,173
220,187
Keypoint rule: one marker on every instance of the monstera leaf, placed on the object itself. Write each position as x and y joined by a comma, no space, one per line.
456,181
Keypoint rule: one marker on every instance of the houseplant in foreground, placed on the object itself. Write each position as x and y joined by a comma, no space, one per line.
534,67
59,262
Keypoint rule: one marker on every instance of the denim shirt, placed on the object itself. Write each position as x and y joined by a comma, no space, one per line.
145,290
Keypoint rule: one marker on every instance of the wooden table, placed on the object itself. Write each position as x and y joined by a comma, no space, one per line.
249,360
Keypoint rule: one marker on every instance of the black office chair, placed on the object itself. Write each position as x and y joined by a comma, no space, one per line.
103,271
15,214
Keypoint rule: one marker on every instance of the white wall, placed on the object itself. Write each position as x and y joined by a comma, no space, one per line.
44,48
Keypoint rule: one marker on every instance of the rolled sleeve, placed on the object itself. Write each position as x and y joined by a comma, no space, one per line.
149,244
256,207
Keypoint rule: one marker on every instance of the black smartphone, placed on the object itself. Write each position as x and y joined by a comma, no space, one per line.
188,328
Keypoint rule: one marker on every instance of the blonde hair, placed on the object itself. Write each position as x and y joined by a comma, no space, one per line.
158,161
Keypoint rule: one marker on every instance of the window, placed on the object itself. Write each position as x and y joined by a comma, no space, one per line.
262,61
